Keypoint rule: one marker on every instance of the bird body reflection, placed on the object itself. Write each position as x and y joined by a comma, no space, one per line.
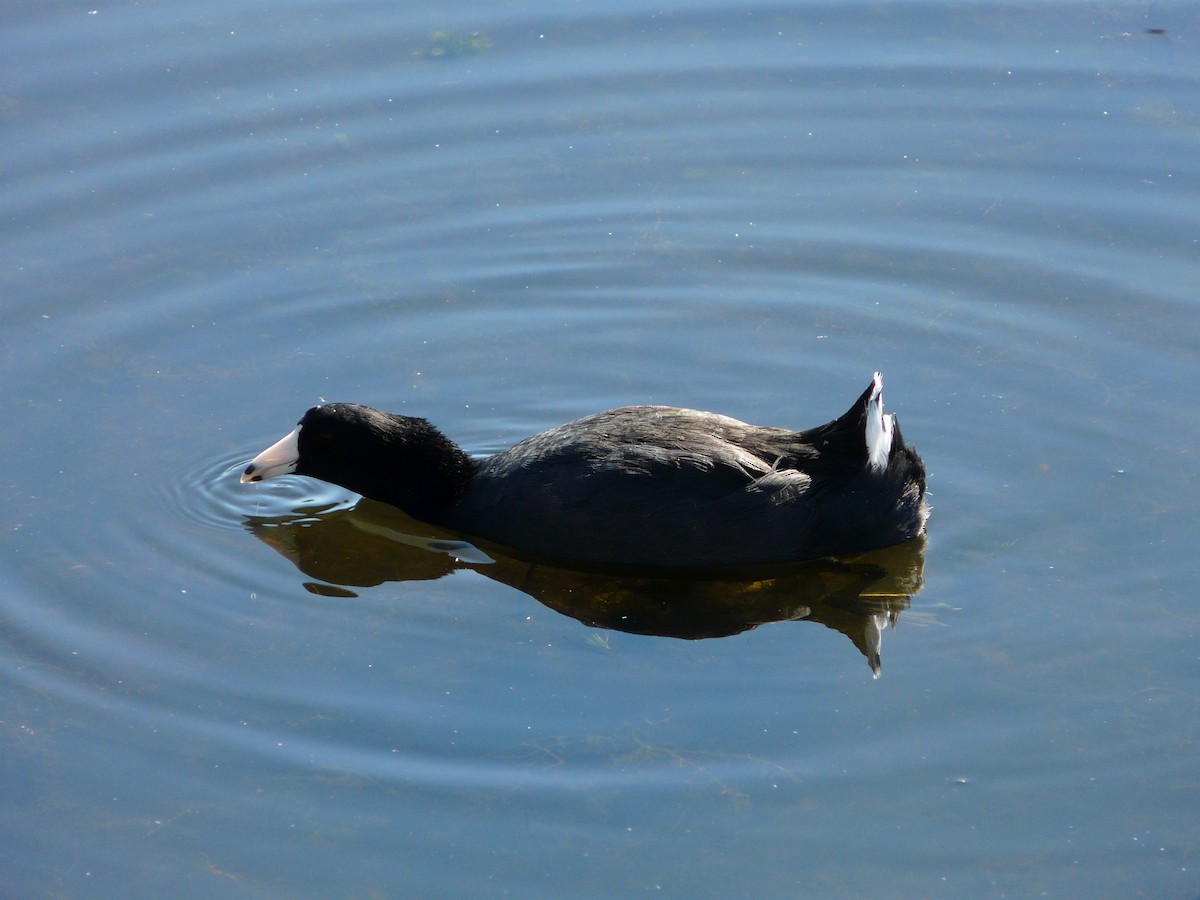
373,543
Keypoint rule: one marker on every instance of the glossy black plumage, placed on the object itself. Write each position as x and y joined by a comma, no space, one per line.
640,485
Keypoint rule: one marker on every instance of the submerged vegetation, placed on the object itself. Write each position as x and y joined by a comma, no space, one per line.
452,43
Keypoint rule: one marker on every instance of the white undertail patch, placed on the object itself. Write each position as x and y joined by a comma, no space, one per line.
879,427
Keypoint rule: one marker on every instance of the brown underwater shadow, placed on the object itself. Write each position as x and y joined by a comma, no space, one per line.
373,543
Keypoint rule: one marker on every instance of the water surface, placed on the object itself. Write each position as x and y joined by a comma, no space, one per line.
504,217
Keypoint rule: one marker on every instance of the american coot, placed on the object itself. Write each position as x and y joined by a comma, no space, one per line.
639,485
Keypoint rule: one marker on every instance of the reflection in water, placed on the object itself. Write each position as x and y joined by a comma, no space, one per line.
374,543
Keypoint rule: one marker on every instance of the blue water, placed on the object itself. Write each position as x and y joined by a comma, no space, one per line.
502,217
